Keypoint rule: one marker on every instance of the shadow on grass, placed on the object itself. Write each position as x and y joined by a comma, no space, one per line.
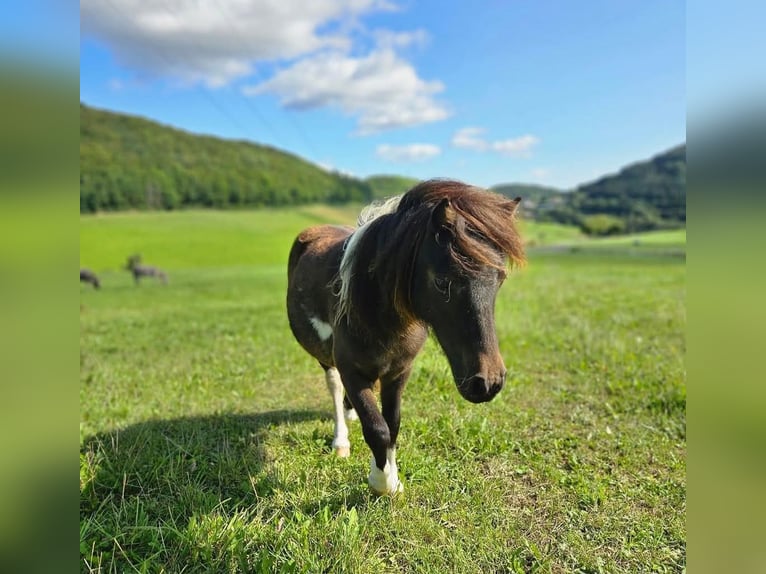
184,466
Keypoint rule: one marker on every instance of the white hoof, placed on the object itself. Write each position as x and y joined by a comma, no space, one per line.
342,447
385,482
342,451
398,489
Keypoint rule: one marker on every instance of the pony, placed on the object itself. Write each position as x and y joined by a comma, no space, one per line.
87,276
361,302
134,266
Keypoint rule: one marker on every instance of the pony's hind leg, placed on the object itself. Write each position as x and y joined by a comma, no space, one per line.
340,442
348,409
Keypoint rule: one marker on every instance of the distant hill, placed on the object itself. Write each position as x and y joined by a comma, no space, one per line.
642,196
383,186
128,162
535,198
645,195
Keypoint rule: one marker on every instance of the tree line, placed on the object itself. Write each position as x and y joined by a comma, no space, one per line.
132,163
128,162
644,196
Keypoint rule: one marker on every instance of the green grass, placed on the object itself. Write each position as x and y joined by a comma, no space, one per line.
652,239
564,239
200,239
205,429
538,234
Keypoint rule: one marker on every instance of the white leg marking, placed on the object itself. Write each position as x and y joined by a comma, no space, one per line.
340,443
351,415
324,330
385,481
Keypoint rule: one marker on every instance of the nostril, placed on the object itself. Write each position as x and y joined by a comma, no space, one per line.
478,385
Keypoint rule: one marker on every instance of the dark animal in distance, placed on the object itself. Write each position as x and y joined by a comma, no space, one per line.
87,276
361,301
134,266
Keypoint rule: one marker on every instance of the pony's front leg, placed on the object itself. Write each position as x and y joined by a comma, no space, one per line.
384,477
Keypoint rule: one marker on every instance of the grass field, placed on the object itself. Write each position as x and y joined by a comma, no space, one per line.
205,429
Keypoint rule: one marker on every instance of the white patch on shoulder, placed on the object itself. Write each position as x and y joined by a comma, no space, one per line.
324,330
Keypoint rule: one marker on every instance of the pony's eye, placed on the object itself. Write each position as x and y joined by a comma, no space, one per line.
442,284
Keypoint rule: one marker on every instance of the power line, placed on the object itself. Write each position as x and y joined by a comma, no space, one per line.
255,112
203,92
227,16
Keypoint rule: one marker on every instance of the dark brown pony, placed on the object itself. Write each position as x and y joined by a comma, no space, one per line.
361,301
138,270
88,276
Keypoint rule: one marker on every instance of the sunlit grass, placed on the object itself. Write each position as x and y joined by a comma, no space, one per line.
205,428
671,238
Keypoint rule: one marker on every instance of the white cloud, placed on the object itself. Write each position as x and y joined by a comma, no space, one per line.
410,152
468,138
540,173
219,41
519,146
383,90
389,39
471,138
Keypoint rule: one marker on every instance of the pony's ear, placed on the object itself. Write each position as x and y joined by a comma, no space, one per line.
444,216
513,205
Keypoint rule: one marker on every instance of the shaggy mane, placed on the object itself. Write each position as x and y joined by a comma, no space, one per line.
486,228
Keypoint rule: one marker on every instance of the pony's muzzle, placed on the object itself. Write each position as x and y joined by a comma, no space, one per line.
481,388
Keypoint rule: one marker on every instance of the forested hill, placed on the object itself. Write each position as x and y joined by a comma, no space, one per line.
645,195
128,162
533,197
389,185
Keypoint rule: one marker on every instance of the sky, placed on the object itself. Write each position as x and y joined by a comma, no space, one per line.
548,92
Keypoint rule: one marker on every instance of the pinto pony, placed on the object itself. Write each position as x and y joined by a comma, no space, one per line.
138,270
361,301
87,276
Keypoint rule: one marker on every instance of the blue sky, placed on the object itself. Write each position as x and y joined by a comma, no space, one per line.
546,92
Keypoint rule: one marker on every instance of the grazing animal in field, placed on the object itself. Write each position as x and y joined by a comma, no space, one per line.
361,301
87,276
138,270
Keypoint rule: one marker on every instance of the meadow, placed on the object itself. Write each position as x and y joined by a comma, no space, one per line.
205,429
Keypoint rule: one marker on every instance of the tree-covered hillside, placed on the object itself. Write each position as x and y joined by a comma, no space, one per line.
389,185
646,195
534,198
128,162
643,196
